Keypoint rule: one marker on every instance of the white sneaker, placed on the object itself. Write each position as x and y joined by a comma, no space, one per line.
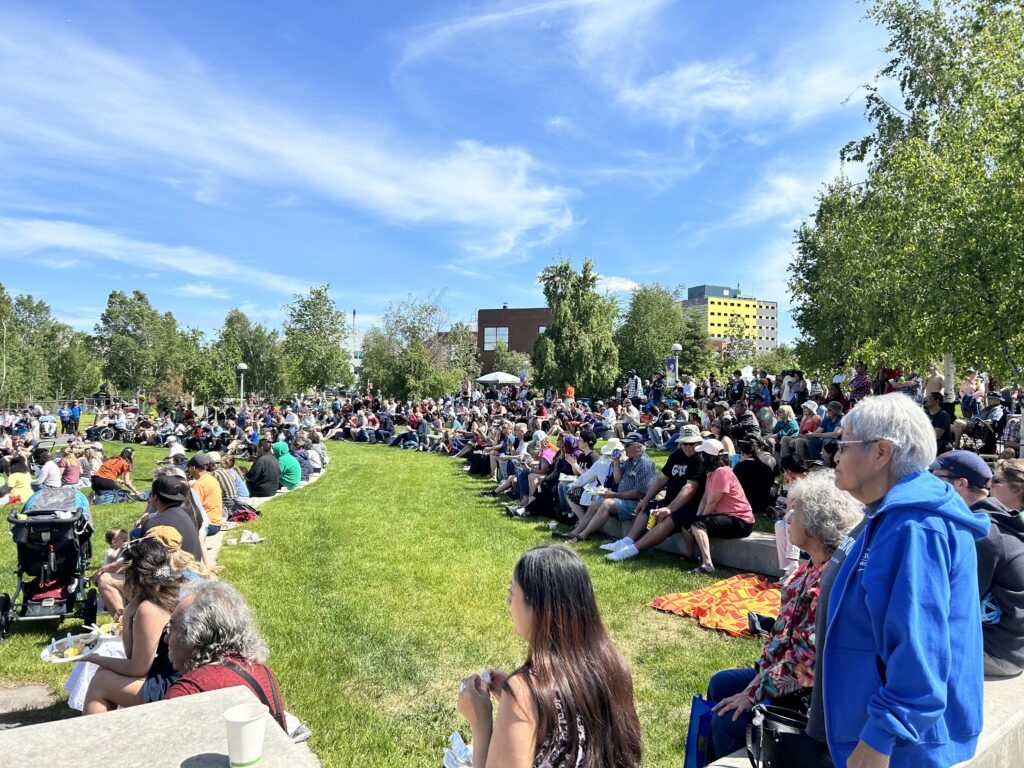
625,553
613,546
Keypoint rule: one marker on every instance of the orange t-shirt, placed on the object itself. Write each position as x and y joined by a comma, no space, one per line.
570,392
111,469
210,497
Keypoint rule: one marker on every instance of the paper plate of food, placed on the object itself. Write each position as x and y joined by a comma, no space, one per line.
70,648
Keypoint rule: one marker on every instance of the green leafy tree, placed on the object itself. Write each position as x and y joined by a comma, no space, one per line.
241,341
315,332
927,255
75,371
510,361
138,345
739,348
782,358
578,346
410,355
654,321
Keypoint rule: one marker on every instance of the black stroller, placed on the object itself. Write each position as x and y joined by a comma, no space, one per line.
53,538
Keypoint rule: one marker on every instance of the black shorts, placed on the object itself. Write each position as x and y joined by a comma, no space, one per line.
723,526
683,518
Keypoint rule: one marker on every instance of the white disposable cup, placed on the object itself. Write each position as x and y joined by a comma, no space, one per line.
247,727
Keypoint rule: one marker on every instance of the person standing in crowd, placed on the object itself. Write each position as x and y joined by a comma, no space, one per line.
900,645
571,702
76,415
1000,562
940,420
64,414
634,388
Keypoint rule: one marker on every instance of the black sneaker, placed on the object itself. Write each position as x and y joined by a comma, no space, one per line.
487,493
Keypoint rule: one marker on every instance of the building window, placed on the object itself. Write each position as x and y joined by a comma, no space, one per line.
492,336
541,329
725,292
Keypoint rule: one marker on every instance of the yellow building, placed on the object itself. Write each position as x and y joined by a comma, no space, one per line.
722,308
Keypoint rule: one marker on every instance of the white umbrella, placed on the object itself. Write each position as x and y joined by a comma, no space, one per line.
498,378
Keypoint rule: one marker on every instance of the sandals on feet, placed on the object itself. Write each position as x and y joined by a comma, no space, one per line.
704,569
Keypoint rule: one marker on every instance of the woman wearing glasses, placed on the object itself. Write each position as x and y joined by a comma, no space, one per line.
899,647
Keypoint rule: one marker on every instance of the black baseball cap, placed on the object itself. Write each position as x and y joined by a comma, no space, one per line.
200,460
170,488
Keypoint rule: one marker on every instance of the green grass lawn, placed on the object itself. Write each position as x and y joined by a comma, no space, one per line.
384,583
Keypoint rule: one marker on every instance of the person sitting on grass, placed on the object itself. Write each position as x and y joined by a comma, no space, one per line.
682,479
19,480
213,643
528,478
291,472
633,478
596,476
199,471
151,588
724,512
48,473
264,476
116,469
571,702
819,518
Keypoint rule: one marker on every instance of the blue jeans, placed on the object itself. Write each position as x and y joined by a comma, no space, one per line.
728,735
563,498
523,482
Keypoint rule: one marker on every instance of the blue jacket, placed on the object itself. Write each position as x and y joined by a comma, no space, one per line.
902,667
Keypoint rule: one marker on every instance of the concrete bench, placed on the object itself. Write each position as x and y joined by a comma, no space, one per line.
188,731
1001,743
754,554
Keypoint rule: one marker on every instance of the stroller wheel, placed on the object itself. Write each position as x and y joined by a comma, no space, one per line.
5,609
89,607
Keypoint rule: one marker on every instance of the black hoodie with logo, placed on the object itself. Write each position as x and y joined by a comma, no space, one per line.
1001,582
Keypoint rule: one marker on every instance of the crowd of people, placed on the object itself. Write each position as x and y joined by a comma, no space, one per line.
870,468
883,656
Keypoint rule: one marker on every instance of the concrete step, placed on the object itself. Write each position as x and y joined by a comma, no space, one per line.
754,554
1000,745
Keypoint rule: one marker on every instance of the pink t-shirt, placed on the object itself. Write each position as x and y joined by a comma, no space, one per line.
733,500
548,455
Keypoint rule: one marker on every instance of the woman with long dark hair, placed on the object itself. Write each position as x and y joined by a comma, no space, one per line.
570,705
151,586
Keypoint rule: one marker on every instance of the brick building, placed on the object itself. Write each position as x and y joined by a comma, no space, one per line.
518,328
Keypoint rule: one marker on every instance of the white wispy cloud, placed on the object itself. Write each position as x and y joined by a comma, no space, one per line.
32,237
615,284
610,41
201,290
560,124
785,193
76,100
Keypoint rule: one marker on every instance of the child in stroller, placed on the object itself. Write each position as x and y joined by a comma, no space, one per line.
52,534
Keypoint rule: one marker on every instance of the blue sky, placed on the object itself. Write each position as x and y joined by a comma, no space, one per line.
230,154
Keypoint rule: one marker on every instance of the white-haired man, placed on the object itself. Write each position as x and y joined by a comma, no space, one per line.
899,642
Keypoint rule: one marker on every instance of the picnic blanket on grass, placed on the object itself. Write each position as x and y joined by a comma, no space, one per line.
725,604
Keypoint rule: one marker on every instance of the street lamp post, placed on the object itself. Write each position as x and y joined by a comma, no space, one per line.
676,349
241,368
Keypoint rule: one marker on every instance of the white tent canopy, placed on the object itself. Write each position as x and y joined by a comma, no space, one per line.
498,378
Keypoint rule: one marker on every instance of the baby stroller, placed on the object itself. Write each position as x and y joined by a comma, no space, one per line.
53,536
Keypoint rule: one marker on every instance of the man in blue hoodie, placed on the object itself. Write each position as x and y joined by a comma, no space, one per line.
901,655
